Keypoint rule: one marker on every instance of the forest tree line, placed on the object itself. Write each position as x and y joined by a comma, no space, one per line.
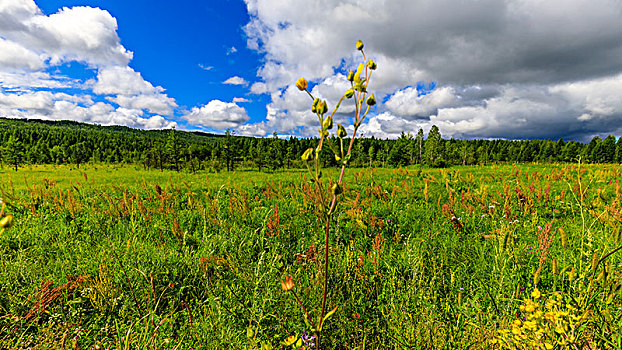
65,142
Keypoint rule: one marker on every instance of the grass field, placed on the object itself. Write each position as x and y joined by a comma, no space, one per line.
501,256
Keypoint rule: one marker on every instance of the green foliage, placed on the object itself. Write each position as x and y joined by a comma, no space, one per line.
401,151
63,142
433,155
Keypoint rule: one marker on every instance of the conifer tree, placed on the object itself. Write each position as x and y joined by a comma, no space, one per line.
229,149
13,152
609,149
173,148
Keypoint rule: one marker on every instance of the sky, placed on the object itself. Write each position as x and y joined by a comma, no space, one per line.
512,69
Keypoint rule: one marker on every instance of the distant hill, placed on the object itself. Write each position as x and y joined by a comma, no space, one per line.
111,129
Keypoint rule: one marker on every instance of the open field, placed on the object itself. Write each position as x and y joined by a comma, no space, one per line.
123,258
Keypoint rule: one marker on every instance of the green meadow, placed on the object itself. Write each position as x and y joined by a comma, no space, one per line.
474,257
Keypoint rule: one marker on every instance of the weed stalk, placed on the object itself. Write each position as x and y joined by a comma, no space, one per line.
359,81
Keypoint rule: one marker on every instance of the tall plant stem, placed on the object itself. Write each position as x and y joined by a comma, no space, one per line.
325,270
333,204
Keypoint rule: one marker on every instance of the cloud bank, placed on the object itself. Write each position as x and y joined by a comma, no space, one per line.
477,69
504,69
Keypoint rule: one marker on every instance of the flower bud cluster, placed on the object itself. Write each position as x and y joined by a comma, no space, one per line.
359,80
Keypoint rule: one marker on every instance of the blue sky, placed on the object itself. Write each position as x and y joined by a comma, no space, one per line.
515,69
189,48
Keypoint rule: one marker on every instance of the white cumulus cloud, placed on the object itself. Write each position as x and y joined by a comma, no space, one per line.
14,55
217,115
33,45
259,88
235,81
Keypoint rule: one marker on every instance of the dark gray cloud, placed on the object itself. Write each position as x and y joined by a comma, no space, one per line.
508,69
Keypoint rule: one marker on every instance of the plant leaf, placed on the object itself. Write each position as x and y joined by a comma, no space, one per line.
329,314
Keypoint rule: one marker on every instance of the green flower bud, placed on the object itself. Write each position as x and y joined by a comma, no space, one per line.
372,65
7,221
307,155
349,93
359,71
350,75
341,131
322,107
315,104
371,100
337,190
328,123
359,45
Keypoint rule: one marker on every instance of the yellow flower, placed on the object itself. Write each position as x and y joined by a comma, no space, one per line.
301,84
371,64
350,76
536,294
290,340
359,45
530,325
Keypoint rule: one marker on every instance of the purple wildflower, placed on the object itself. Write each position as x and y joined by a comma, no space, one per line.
306,339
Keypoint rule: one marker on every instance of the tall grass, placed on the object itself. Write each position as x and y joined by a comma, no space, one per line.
123,258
